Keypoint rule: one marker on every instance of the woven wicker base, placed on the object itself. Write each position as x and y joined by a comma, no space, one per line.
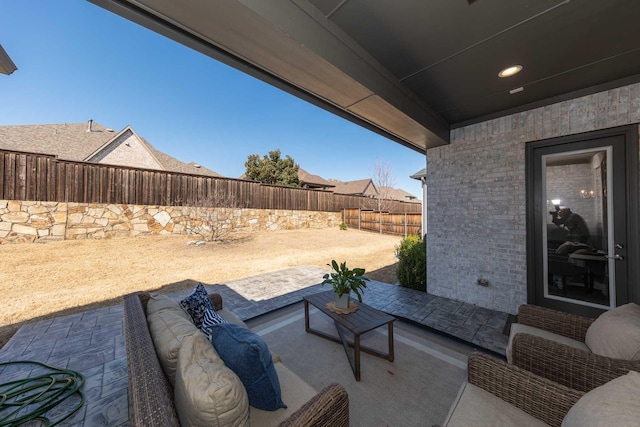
331,306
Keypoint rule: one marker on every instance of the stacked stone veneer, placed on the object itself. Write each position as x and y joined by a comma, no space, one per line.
28,221
477,202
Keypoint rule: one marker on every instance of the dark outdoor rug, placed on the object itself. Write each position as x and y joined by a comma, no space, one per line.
417,389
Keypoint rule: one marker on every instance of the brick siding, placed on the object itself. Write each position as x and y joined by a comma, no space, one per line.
477,202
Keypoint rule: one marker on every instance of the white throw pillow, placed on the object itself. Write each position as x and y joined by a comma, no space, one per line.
616,403
616,333
207,393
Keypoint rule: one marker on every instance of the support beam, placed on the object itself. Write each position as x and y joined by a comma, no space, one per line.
291,45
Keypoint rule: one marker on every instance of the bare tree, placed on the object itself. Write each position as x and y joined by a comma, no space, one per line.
385,181
211,217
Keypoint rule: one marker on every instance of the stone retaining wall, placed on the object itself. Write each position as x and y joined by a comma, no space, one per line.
28,221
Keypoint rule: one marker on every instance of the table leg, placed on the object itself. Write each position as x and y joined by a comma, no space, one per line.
356,345
391,352
306,315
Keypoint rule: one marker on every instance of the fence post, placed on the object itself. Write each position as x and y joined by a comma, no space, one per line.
380,217
359,217
405,225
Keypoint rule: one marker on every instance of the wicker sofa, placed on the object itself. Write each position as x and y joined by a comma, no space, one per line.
552,344
151,395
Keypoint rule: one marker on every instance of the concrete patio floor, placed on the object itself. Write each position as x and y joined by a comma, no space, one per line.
92,342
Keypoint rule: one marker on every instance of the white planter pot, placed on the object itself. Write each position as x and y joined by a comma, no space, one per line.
342,302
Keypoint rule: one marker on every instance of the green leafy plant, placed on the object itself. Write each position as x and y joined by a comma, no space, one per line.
343,225
273,169
345,280
412,263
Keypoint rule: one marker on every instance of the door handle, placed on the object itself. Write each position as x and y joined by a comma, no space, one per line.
619,246
617,257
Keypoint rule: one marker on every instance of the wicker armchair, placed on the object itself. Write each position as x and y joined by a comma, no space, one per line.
575,368
539,397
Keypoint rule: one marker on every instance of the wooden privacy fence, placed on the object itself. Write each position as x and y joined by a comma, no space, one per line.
402,224
39,177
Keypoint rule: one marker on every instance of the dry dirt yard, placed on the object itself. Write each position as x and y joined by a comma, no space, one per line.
42,280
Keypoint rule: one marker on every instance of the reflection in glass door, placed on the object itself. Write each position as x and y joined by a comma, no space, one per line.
577,228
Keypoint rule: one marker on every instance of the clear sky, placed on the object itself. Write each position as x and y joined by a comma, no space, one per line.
77,61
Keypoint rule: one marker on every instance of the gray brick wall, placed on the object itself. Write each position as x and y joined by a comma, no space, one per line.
476,195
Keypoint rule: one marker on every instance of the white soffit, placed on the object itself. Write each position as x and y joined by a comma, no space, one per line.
6,64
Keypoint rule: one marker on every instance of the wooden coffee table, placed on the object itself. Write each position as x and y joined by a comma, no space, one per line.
363,320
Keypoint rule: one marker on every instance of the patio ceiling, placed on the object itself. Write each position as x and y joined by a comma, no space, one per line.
411,69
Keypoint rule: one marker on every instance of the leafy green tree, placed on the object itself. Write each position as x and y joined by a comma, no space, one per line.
272,169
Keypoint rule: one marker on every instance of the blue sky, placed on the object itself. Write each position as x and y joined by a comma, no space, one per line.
77,61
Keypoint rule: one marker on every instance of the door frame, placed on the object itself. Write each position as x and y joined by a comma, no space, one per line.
632,208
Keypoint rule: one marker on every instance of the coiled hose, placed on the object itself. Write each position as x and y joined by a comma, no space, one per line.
29,399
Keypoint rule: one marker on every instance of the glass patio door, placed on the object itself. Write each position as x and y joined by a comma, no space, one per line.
580,225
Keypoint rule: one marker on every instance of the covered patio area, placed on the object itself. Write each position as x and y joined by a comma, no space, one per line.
485,90
433,328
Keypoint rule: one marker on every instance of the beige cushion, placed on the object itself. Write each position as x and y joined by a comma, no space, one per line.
616,403
207,393
616,333
168,328
295,393
275,357
231,317
518,328
477,407
159,303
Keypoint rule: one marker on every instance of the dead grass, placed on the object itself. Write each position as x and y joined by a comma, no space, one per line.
38,281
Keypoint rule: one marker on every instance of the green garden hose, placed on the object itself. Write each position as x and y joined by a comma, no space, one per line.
29,399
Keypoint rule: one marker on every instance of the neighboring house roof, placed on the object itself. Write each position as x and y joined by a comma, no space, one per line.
88,142
366,187
363,187
312,181
398,194
307,179
422,173
69,141
175,165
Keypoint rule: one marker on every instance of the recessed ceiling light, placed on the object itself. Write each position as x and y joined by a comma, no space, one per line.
510,71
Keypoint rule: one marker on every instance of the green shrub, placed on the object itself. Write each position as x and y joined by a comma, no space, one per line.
343,225
412,263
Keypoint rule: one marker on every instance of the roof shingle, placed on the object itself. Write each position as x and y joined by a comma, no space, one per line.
313,180
74,142
360,187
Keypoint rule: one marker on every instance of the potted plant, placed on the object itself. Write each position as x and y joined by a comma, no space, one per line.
345,280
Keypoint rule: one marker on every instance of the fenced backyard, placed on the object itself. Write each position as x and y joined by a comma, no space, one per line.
400,224
40,177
